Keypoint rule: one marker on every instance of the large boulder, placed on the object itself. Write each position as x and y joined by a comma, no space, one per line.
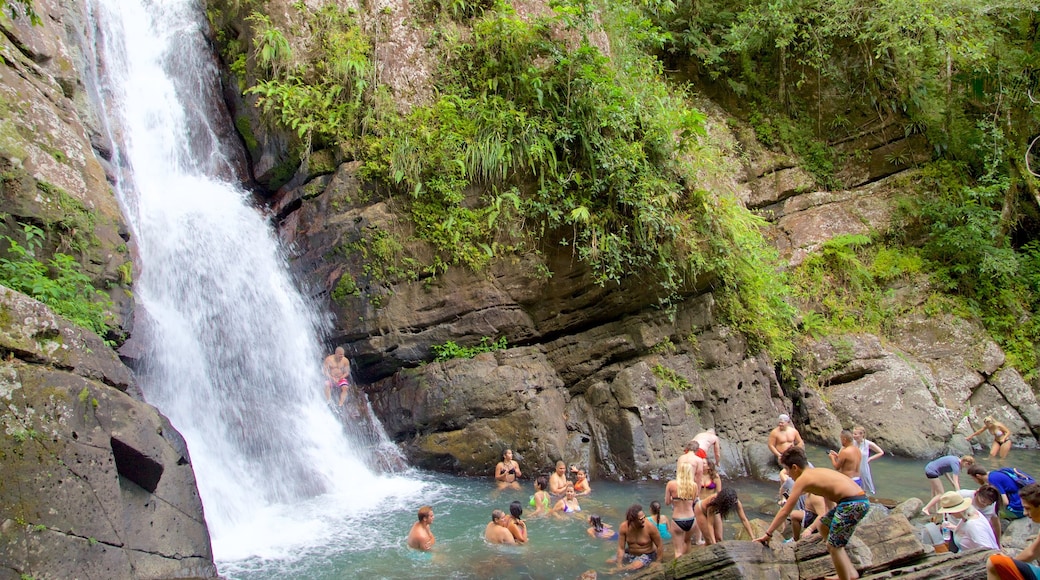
96,484
925,390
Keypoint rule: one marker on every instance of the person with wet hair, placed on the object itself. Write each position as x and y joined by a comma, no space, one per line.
597,529
710,513
420,537
541,501
497,531
639,543
517,526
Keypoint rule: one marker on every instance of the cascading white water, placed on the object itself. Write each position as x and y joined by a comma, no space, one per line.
232,355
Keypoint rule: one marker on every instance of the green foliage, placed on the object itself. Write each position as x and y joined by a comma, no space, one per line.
450,350
320,97
346,287
781,131
13,7
670,377
59,283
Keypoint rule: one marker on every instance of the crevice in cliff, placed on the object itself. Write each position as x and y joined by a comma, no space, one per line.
847,376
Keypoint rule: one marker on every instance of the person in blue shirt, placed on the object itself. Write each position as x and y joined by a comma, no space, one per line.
948,465
1005,485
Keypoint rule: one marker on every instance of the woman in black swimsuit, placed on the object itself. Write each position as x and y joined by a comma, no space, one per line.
1001,437
681,494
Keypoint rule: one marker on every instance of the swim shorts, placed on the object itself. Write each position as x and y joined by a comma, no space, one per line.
841,521
646,559
701,453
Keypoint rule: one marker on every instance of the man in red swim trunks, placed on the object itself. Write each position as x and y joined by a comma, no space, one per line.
337,373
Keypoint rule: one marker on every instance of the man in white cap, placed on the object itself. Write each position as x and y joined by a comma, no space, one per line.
784,436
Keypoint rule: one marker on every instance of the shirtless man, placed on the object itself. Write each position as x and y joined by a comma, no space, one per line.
638,544
847,460
507,471
558,480
783,436
840,522
337,372
709,440
696,461
420,537
497,531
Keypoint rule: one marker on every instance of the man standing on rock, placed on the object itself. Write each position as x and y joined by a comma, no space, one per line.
851,504
695,460
783,436
420,537
847,460
337,372
709,440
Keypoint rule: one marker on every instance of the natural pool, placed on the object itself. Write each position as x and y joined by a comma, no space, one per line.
317,542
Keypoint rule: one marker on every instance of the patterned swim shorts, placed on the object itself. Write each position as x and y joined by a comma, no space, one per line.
841,521
646,559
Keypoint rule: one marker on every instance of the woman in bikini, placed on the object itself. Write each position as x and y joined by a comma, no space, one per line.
517,526
1001,437
711,483
681,494
541,501
568,504
581,483
712,511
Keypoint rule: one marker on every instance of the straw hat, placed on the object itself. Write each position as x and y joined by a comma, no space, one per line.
953,502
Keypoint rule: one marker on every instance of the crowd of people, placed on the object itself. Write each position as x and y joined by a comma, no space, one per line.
828,501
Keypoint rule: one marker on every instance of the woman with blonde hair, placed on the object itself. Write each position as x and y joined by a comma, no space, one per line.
681,494
1001,437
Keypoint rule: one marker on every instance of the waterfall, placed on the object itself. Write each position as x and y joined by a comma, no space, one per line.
232,354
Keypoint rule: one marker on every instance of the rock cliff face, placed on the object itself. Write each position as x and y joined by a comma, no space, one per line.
96,484
600,375
54,154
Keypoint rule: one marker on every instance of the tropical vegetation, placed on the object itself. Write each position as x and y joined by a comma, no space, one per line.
579,128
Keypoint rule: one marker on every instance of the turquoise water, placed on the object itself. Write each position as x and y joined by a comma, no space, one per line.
371,545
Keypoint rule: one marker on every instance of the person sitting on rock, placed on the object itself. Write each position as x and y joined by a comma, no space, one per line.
1022,567
639,541
970,530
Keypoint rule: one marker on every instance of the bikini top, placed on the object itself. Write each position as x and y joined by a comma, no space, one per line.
545,501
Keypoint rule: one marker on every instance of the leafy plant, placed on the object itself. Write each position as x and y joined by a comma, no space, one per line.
59,283
451,350
670,377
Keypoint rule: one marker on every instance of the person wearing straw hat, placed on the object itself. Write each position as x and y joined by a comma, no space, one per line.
970,530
